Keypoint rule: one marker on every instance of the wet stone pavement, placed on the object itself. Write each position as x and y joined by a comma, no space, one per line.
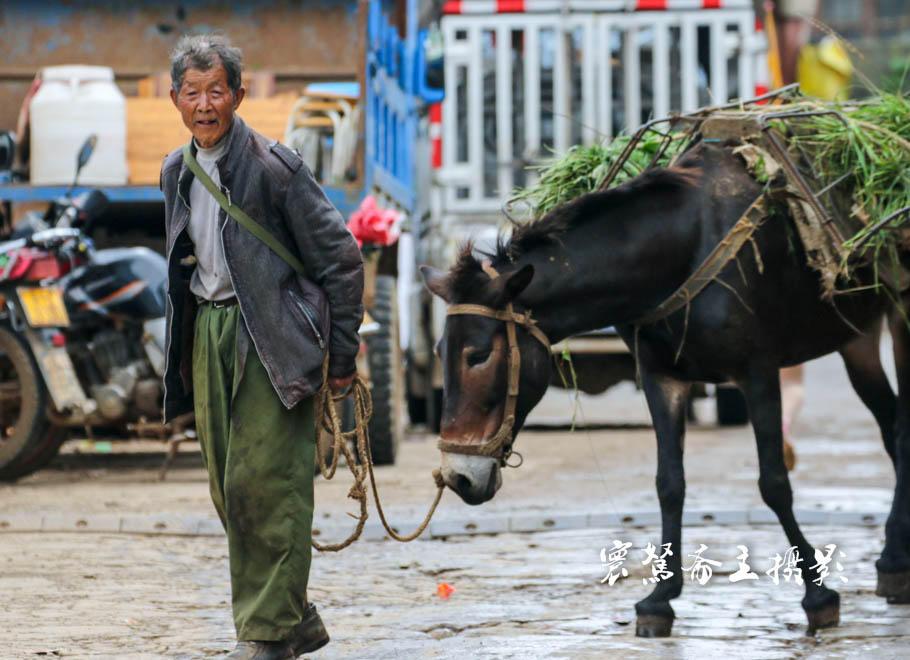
127,567
536,595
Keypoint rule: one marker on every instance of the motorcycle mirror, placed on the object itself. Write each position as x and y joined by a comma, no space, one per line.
92,207
85,152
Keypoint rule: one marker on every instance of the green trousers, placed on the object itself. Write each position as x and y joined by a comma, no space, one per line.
260,458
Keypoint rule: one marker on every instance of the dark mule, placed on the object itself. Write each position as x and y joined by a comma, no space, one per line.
607,259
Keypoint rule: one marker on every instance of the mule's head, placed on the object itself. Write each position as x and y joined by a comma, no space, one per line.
474,350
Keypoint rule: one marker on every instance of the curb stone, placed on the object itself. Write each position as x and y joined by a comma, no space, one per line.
537,523
92,523
468,526
175,525
20,523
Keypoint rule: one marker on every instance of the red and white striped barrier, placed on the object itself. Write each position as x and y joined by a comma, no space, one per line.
435,133
457,7
760,61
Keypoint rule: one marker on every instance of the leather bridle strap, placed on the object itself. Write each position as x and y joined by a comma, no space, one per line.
507,315
500,444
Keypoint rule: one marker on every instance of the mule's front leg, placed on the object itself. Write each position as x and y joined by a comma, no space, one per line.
894,564
762,390
667,401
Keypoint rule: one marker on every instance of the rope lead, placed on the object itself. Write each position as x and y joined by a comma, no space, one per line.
327,419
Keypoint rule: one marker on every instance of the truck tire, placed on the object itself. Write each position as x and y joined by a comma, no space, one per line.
426,409
731,406
386,374
417,405
434,412
28,441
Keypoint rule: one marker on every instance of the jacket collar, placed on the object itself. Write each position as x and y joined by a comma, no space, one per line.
237,135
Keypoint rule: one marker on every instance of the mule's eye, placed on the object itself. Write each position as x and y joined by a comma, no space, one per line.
477,357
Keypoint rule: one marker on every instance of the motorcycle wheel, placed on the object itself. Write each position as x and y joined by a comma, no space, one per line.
47,449
28,441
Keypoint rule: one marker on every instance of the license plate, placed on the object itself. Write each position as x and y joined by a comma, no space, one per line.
44,307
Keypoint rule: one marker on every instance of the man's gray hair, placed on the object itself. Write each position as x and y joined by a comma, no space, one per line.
199,52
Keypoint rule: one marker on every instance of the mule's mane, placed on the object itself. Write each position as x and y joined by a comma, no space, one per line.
546,230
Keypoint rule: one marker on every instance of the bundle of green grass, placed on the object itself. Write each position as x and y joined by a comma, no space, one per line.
872,149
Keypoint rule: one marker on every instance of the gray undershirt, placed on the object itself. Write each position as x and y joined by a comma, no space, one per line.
211,279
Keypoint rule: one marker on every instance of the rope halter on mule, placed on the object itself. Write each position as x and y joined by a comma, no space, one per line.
500,445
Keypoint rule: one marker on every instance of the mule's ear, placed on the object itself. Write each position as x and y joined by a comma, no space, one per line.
514,283
437,282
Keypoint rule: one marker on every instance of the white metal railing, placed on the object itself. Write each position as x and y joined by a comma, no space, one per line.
522,86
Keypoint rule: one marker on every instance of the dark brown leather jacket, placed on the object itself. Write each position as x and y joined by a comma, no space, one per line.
292,320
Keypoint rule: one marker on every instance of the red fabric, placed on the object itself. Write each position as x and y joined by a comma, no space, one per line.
371,224
711,4
650,5
436,113
759,90
452,7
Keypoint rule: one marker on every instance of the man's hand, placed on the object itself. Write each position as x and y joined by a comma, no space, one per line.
338,385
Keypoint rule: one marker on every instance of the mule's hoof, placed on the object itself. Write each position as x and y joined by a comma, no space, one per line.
826,617
895,587
653,625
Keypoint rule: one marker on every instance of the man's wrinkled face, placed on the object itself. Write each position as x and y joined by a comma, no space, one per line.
206,104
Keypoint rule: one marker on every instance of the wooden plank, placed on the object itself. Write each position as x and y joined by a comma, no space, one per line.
315,122
154,129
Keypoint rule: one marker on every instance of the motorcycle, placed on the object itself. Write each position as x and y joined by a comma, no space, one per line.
82,333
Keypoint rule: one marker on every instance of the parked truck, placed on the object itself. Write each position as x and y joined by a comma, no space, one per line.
515,82
523,81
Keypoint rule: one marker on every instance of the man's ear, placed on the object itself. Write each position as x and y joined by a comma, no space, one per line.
174,98
508,287
437,282
238,96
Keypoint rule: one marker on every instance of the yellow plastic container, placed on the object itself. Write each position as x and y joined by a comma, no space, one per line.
824,69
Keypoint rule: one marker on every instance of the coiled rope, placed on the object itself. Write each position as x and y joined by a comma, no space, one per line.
327,418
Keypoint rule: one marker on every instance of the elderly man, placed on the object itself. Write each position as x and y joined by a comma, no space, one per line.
247,338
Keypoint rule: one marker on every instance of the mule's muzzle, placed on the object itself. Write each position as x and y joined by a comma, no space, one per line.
475,478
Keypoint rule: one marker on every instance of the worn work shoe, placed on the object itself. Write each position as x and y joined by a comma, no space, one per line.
310,634
262,651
